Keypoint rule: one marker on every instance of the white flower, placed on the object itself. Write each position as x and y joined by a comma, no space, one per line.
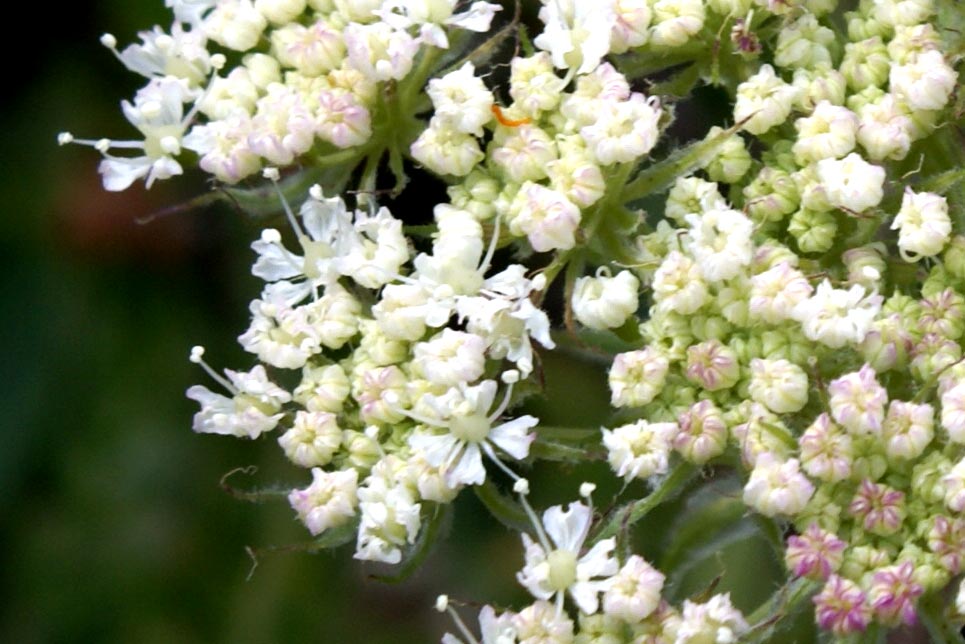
777,487
675,21
158,113
313,50
623,130
541,623
450,357
379,51
390,515
634,592
908,429
462,99
533,84
713,622
636,377
235,24
857,401
313,439
470,431
605,302
826,451
764,100
678,284
721,243
852,183
836,317
282,127
547,218
576,33
926,83
884,129
632,26
253,409
180,53
445,150
923,224
323,388
554,566
830,132
692,196
341,119
223,148
280,12
953,413
328,502
522,152
779,385
776,292
640,449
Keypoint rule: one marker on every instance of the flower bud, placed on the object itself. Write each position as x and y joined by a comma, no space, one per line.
675,22
692,195
878,508
547,218
866,265
826,451
814,231
732,160
312,440
779,385
636,377
712,365
771,196
605,302
777,487
857,401
852,183
764,100
926,83
804,43
830,131
820,84
884,129
640,449
814,554
702,435
865,64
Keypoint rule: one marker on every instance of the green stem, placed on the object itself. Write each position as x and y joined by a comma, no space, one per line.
633,512
940,631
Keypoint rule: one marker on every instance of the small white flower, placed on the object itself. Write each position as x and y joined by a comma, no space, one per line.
547,218
908,429
253,409
634,592
390,515
776,292
830,132
471,430
713,622
852,183
675,22
764,100
779,385
312,50
445,150
721,243
494,629
450,357
926,83
623,130
857,401
379,51
777,487
522,152
678,284
923,224
313,439
462,99
636,377
953,413
640,449
605,302
884,129
826,451
556,567
576,33
235,24
329,502
632,25
836,317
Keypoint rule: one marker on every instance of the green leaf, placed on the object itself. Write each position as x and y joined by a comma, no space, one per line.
503,508
428,537
661,175
770,618
941,183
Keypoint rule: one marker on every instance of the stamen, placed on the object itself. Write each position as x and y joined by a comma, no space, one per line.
197,353
273,175
523,490
504,404
492,248
442,605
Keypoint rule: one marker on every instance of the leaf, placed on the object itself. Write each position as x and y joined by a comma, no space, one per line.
547,450
680,85
942,182
416,555
659,176
461,49
504,509
771,617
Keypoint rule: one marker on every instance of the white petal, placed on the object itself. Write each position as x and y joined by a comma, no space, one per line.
435,448
119,173
469,469
512,436
568,529
598,562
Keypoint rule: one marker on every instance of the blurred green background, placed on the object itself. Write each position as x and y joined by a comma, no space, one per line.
114,528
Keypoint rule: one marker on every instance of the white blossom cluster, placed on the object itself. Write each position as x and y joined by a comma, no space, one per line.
305,76
791,308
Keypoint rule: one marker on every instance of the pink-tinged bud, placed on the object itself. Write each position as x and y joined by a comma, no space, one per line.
879,508
946,539
933,354
954,486
943,313
827,452
908,429
703,433
712,365
777,487
814,554
953,413
858,401
887,344
841,608
893,593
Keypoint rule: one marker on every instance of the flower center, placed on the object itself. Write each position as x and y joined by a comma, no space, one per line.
562,565
473,428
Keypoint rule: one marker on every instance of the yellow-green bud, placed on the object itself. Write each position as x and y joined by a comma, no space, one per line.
771,196
814,231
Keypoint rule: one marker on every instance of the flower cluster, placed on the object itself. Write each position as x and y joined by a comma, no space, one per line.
790,306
